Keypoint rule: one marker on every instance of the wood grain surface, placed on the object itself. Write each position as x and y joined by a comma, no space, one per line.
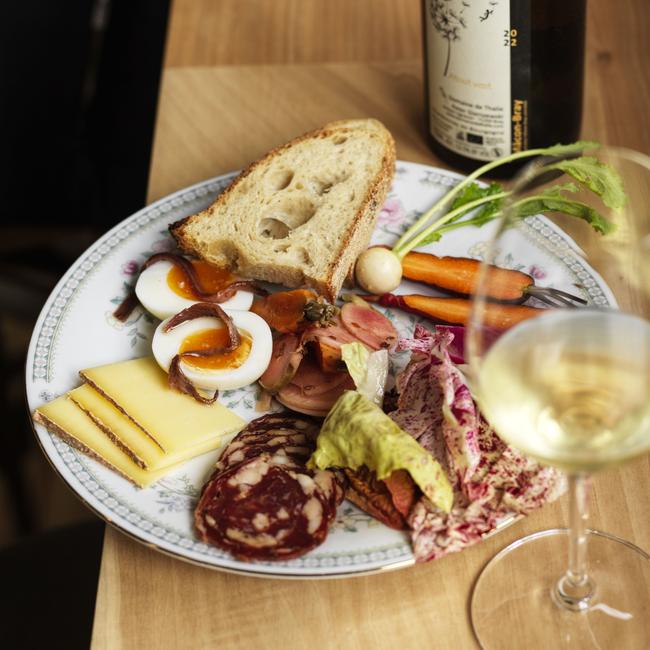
221,32
215,119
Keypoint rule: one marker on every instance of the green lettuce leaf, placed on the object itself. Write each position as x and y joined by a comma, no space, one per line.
368,370
357,432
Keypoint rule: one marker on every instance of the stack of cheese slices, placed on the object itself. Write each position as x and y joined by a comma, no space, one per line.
125,416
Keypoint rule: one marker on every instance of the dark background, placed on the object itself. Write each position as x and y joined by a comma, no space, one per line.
78,91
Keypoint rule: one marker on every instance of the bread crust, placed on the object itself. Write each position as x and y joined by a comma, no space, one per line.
354,238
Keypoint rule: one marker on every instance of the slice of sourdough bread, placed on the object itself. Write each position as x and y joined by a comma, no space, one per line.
302,214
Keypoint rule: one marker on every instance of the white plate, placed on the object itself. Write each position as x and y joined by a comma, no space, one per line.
76,330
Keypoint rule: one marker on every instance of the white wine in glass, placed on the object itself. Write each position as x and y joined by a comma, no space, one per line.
570,388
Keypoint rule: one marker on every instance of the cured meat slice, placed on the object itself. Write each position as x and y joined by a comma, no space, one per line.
319,405
373,496
262,510
285,359
329,357
326,343
332,484
240,452
286,452
273,438
293,435
281,422
368,326
334,334
295,428
403,491
261,503
313,381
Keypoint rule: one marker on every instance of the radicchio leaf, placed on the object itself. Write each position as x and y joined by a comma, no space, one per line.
492,482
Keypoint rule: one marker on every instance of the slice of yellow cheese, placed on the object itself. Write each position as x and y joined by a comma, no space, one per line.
135,442
65,419
174,420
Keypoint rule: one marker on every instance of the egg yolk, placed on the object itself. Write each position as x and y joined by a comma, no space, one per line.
211,279
215,338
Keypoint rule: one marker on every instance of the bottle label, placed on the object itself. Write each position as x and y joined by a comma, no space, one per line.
479,75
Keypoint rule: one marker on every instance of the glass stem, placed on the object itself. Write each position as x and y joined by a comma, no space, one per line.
574,590
578,515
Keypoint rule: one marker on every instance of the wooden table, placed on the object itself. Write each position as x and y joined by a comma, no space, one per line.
215,119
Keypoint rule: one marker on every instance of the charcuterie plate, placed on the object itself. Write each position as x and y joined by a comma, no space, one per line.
76,330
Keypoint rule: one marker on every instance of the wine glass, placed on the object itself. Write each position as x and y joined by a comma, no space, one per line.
570,388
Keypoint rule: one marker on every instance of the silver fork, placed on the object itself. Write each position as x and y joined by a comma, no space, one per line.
555,297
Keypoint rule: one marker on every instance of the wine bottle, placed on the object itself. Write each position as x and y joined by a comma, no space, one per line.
501,76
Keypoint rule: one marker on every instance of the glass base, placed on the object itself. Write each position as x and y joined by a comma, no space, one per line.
520,600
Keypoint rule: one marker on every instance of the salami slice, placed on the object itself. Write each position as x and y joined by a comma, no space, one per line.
332,484
296,435
241,452
261,503
279,436
280,424
262,510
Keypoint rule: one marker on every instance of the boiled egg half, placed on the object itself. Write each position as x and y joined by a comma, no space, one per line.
225,371
163,290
